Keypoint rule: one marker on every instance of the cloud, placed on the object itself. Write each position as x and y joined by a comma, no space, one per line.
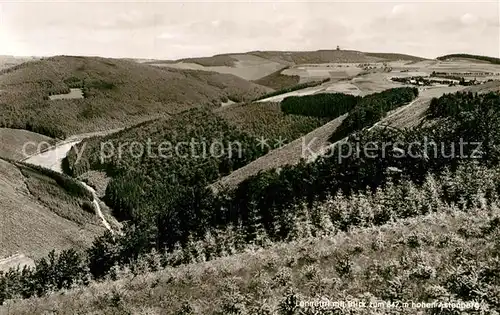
182,29
168,36
130,20
400,9
469,19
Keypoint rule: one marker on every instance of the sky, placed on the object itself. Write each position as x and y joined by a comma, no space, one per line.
173,30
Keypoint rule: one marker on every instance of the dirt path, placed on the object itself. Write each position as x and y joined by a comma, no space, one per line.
302,92
97,207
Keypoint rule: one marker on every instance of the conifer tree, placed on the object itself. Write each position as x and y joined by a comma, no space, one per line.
301,226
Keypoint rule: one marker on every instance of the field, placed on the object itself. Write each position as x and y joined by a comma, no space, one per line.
315,72
368,78
72,95
309,65
245,66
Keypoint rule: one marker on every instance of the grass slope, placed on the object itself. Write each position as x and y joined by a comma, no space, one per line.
299,57
13,140
290,154
214,61
395,56
326,56
278,81
38,213
446,256
118,93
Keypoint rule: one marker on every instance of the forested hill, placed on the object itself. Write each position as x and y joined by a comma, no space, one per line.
492,60
113,93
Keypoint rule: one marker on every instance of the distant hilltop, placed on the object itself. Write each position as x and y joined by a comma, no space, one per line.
492,60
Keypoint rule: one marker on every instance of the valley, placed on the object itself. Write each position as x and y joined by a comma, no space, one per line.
275,215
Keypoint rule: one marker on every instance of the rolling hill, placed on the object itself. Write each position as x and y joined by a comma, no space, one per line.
40,211
11,61
265,67
492,60
327,56
116,93
395,56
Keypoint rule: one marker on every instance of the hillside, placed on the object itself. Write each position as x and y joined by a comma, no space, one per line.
317,141
11,61
146,184
116,93
324,56
395,56
278,81
40,212
282,69
297,57
269,121
290,154
13,141
306,147
446,255
492,60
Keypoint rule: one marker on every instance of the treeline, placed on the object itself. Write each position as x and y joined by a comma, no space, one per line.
452,105
329,105
478,57
33,125
70,185
372,108
278,81
425,81
407,80
292,88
